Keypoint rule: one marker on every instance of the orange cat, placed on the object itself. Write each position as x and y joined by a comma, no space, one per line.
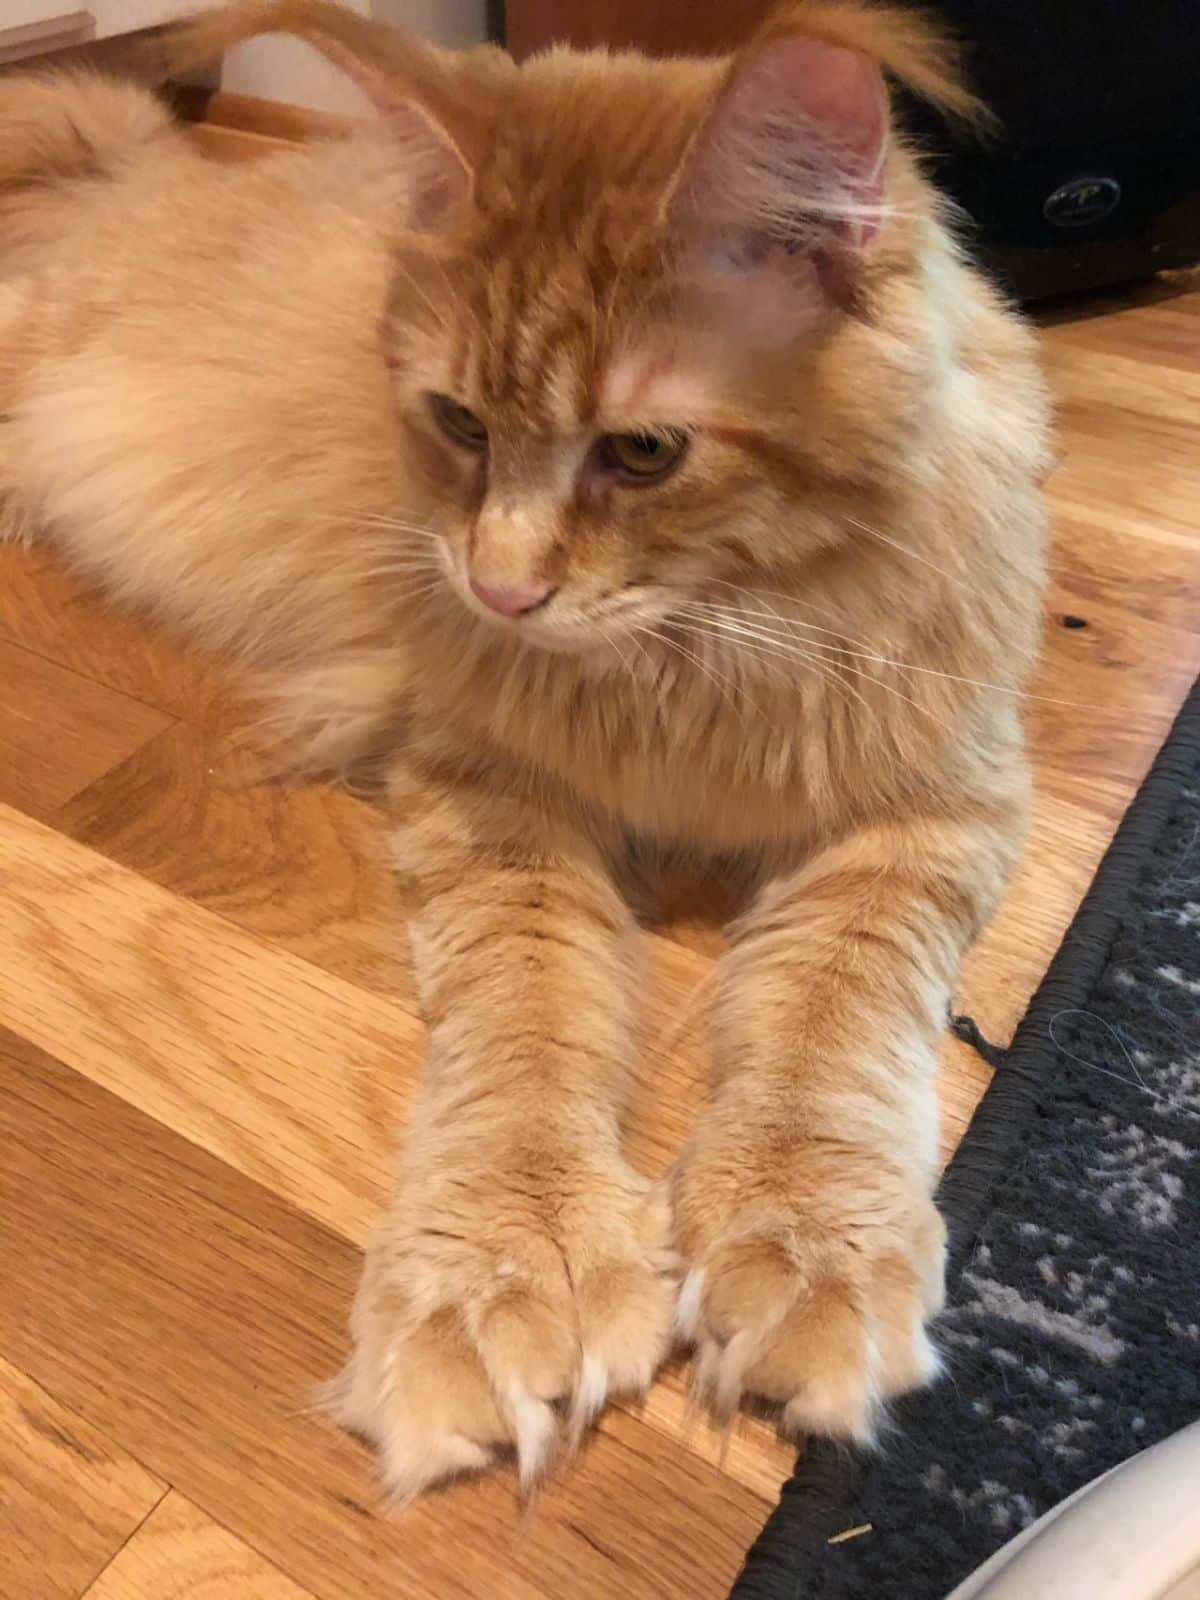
624,448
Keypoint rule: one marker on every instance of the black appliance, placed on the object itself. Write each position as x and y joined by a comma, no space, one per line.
1094,178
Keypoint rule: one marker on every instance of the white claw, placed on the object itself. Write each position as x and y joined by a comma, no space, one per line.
591,1392
929,1364
687,1307
535,1426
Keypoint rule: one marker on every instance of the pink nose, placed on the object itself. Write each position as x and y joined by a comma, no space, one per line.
510,599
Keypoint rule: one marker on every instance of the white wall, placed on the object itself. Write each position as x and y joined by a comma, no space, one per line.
284,69
34,27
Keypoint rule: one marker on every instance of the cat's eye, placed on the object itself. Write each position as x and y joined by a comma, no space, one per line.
644,456
458,423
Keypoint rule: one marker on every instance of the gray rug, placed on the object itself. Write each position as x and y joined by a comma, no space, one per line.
1072,1328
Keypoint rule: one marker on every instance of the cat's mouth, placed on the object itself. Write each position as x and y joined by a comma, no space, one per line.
560,622
564,633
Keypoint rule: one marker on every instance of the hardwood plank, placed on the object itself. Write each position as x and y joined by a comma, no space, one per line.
59,731
302,866
1116,684
1125,558
180,1554
1092,563
247,113
188,1313
1154,320
228,144
1127,443
69,1498
53,613
286,1072
305,868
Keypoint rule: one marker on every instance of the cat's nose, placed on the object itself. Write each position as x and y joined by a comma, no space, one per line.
511,599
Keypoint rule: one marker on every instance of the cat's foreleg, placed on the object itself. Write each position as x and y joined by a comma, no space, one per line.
520,1276
803,1201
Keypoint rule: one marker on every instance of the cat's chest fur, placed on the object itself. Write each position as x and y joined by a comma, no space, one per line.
671,755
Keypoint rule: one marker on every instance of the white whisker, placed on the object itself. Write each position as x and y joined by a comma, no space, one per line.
792,600
913,555
768,648
732,612
628,633
822,663
420,592
722,684
376,519
618,652
400,568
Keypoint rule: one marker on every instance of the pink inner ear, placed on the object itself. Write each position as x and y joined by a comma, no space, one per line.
795,146
835,88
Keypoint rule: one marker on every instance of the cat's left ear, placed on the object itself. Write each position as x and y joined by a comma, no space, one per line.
785,177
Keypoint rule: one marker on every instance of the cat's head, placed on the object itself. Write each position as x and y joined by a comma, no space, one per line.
617,334
606,293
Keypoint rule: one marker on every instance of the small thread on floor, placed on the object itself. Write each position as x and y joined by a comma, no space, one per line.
967,1029
852,1533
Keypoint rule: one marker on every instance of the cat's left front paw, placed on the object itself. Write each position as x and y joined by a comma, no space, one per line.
812,1269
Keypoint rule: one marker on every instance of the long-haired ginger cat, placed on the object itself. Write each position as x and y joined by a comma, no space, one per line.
623,447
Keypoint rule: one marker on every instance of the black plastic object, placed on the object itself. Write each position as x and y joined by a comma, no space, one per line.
1095,177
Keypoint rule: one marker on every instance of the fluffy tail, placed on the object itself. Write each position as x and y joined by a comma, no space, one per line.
71,125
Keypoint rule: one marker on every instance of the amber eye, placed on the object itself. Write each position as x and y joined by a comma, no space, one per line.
644,457
457,423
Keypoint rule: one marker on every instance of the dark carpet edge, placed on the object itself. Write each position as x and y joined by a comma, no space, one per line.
820,1499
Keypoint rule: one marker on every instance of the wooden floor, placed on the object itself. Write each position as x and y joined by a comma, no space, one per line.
209,1038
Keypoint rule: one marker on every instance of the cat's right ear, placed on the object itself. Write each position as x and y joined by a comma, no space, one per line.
418,89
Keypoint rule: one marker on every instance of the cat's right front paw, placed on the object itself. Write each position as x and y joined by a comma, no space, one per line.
503,1324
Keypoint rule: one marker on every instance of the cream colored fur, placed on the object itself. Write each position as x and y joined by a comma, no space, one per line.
800,655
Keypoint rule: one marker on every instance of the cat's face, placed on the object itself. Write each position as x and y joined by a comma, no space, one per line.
587,497
592,528
599,360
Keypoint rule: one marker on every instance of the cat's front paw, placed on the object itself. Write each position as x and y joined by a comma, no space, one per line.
811,1272
489,1320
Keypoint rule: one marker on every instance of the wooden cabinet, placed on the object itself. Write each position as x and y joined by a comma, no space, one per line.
661,27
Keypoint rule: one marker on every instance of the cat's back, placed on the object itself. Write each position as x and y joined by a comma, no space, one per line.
166,228
194,382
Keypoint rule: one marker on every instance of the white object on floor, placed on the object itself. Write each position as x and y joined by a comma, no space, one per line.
1133,1534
